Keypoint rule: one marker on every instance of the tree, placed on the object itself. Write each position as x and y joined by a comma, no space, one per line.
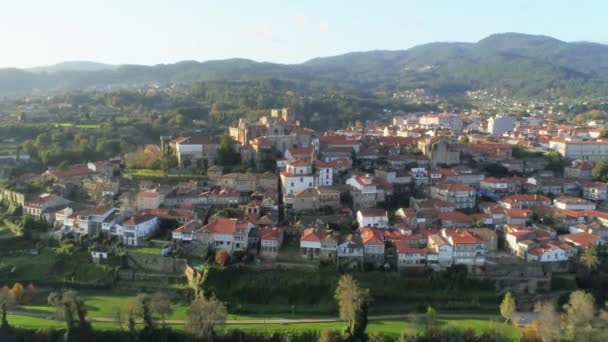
17,292
222,257
530,332
71,308
548,319
140,307
589,259
600,171
604,134
118,316
330,336
226,154
351,301
507,307
161,305
204,314
5,300
431,328
579,311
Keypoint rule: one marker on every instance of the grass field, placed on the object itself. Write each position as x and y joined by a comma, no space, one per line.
147,250
391,328
84,126
144,173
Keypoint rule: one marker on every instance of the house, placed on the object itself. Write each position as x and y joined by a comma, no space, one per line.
44,206
271,239
186,232
373,245
454,219
438,151
314,241
515,237
461,195
548,253
579,169
350,252
300,153
444,251
196,151
73,175
410,257
86,221
488,236
524,201
131,229
314,199
149,199
468,250
376,218
573,203
581,240
585,150
517,216
365,192
220,197
180,216
228,234
103,167
594,191
300,175
502,186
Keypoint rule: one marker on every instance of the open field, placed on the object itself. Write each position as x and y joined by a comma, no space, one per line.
391,328
84,126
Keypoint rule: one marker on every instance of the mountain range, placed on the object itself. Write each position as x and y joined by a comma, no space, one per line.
518,64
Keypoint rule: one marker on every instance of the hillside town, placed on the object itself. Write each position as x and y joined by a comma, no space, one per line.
422,192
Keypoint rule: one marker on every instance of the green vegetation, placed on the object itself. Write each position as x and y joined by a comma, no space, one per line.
85,126
280,291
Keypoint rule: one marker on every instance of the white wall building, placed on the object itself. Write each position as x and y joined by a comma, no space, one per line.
500,124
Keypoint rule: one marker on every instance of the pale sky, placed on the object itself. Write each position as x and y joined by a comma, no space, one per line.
42,32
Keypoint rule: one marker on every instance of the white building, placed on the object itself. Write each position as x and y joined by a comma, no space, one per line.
131,229
376,218
500,124
573,203
301,174
586,150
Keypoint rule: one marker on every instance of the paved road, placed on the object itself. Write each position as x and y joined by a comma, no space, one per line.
524,318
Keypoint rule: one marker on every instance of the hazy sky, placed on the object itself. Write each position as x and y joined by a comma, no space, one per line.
40,32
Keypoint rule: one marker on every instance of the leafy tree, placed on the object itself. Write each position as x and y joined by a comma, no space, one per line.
579,311
161,304
329,335
140,307
222,257
431,328
604,134
118,316
71,308
507,307
600,171
548,319
203,315
589,259
351,302
226,154
5,300
17,292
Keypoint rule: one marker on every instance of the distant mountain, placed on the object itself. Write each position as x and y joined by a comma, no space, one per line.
519,64
80,66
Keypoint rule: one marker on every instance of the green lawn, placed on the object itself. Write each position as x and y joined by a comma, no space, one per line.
85,126
144,173
147,250
390,327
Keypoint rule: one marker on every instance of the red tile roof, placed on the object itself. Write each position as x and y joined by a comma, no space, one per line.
371,236
271,233
581,239
403,247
